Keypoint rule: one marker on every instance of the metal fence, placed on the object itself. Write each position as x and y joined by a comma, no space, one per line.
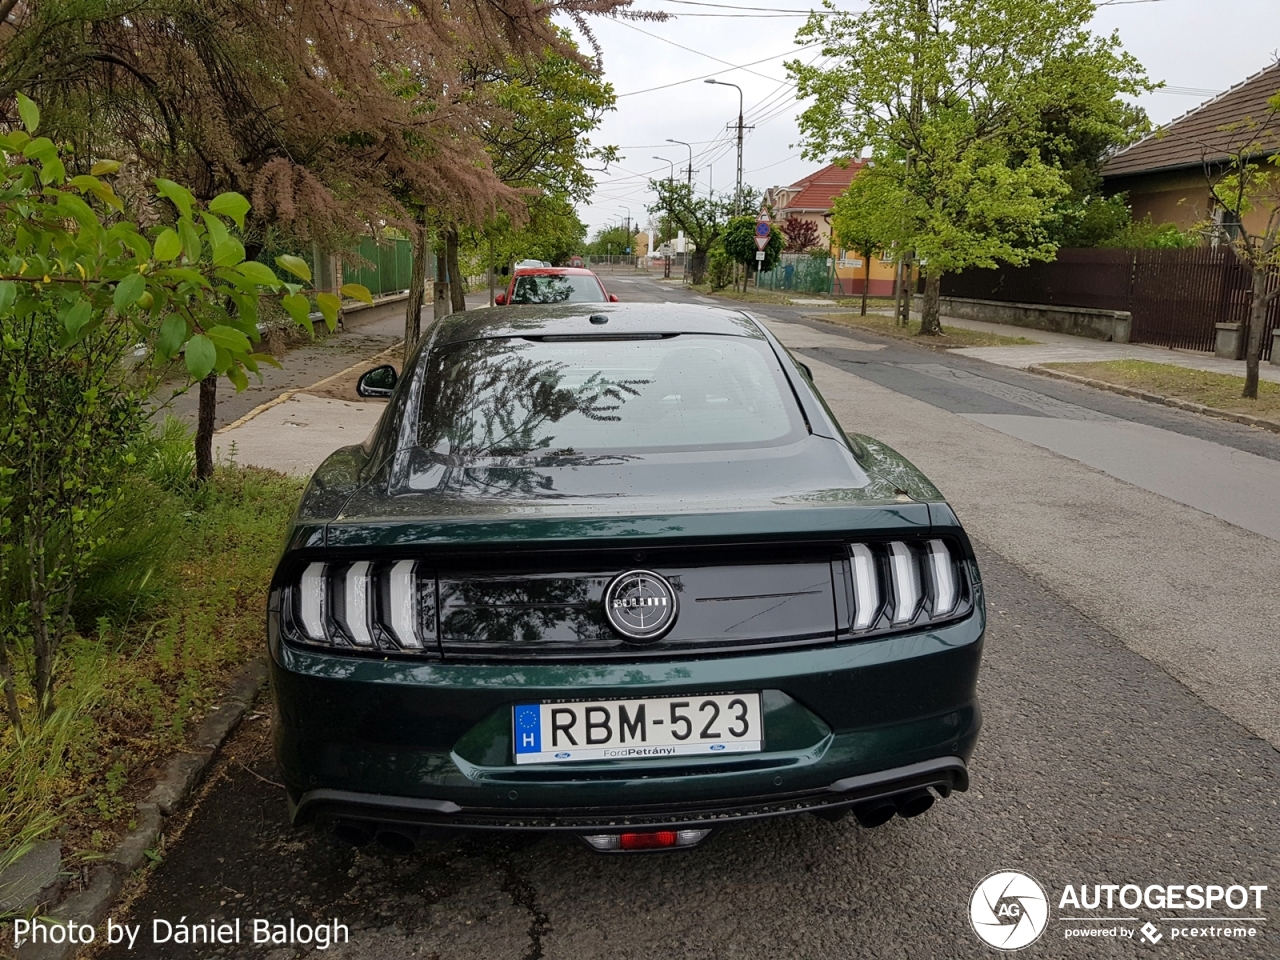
1176,297
390,262
799,272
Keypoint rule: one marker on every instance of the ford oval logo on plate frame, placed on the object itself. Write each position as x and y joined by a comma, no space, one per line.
641,605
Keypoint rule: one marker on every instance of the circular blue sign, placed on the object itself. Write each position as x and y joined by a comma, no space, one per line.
762,229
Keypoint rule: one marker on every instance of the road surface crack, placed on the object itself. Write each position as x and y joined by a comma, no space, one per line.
516,885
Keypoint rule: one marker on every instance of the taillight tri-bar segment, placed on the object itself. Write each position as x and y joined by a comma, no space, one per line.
902,584
390,607
367,606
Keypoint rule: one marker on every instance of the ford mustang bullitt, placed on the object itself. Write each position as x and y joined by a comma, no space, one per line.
615,571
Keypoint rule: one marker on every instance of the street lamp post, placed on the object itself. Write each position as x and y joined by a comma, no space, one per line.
688,169
671,180
737,197
626,249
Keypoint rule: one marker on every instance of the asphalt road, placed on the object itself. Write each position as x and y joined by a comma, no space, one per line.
1130,729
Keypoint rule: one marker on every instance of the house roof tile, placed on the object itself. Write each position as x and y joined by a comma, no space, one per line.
1197,136
818,191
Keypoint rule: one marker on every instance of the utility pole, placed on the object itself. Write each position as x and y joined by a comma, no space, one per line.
737,197
688,169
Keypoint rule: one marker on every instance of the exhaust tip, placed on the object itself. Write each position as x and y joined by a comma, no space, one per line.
913,802
397,840
355,832
874,813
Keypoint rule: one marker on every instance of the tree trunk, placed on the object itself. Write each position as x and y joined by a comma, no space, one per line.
908,293
930,325
204,427
417,288
458,298
697,265
866,282
10,694
1253,336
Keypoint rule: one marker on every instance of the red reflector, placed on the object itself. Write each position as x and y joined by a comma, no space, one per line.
648,841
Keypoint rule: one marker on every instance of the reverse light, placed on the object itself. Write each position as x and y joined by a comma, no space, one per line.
645,840
906,582
356,596
866,592
404,604
311,591
945,593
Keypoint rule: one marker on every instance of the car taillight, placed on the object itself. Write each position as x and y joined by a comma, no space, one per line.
903,583
364,605
645,840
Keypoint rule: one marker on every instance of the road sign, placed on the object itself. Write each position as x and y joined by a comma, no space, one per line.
760,255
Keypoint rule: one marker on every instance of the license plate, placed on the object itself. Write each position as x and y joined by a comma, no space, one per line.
637,729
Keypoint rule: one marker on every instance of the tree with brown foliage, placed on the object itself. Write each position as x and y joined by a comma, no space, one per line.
327,113
801,234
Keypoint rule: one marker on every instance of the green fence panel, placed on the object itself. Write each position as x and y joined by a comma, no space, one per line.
799,274
390,263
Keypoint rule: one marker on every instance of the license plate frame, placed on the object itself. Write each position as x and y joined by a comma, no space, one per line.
710,722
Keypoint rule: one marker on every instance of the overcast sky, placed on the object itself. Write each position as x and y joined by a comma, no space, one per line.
1194,46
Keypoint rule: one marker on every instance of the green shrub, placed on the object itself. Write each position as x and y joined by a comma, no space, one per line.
719,268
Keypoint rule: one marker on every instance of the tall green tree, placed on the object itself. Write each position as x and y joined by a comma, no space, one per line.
702,219
949,95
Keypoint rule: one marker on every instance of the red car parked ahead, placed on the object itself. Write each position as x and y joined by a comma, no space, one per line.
554,285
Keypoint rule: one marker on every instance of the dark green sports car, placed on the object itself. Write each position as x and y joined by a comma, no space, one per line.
615,570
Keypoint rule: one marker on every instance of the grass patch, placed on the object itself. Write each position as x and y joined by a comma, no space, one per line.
885,325
1218,390
154,659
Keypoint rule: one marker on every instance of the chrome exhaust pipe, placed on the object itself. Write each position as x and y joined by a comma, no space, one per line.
355,832
399,840
913,802
873,813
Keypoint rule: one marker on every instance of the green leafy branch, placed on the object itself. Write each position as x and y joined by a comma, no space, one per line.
185,287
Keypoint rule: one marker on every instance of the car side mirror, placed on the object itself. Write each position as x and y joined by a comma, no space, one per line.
378,382
499,299
613,298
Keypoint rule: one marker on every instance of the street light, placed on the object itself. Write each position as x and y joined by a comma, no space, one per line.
666,261
689,169
737,197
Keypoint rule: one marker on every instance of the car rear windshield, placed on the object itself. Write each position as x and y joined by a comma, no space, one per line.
517,397
556,288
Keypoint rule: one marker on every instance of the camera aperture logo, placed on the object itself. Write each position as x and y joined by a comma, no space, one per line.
1009,910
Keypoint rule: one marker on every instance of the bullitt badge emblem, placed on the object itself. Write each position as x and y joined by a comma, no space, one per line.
640,605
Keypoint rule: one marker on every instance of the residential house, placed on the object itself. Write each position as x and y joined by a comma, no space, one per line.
812,198
1167,174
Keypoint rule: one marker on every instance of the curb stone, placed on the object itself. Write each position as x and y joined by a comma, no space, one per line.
182,773
1200,408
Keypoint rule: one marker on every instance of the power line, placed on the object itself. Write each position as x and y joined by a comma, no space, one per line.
715,73
632,26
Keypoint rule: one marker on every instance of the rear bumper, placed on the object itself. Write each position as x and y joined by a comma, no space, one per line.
430,742
944,775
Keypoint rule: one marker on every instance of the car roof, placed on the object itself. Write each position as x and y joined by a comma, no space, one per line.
556,271
573,319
